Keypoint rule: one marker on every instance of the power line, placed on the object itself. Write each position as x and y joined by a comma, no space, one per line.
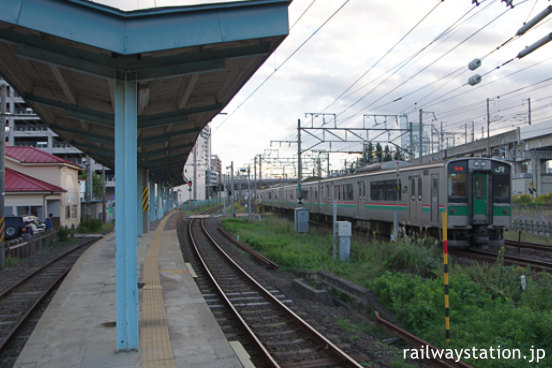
284,62
384,55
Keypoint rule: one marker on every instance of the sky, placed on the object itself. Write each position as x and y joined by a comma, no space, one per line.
352,59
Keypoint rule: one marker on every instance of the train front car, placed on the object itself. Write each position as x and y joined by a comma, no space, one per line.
479,201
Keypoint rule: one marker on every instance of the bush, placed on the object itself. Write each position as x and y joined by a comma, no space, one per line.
522,199
89,226
63,233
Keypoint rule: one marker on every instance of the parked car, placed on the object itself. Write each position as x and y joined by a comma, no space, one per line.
15,226
34,224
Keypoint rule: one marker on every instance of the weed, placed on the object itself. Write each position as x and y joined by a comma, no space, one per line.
12,261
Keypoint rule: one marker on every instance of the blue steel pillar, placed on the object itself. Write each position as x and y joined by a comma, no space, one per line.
161,212
140,227
153,200
126,234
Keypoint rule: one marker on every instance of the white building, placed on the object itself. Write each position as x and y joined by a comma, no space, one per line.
199,170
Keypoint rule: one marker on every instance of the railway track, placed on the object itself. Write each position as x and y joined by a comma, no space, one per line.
508,259
528,245
18,303
278,336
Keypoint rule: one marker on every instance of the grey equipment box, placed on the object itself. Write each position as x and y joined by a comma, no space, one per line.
302,220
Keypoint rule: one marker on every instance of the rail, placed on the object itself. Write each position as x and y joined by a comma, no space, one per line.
328,346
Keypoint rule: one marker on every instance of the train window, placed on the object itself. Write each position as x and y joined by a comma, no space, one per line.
269,195
412,188
349,195
479,187
420,188
384,190
305,194
457,187
501,189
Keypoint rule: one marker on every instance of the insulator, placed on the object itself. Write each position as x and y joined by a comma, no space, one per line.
529,49
474,79
535,20
474,64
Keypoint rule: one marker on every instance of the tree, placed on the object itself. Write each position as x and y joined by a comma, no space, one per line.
387,154
399,155
379,153
367,154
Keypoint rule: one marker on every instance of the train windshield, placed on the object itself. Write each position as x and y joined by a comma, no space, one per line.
501,182
458,182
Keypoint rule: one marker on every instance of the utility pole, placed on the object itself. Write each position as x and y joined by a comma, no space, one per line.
255,182
232,189
3,101
248,193
473,131
195,176
529,111
488,130
104,216
421,131
299,192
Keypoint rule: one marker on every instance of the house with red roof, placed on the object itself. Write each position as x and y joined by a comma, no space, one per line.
39,183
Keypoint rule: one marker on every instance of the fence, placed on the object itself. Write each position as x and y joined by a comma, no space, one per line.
200,205
533,226
30,244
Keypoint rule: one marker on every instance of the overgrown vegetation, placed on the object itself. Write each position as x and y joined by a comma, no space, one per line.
93,226
12,261
527,199
488,307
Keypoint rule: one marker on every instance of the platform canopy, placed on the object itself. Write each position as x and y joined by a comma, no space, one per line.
63,57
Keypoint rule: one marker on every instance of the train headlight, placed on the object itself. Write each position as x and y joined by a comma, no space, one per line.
483,163
476,163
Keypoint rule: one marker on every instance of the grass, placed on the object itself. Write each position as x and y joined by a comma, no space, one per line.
487,306
12,261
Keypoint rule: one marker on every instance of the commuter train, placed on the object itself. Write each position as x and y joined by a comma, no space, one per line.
474,192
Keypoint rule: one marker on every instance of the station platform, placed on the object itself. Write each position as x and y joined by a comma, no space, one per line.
177,328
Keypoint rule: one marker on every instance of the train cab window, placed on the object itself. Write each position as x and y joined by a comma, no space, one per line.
500,182
457,187
501,189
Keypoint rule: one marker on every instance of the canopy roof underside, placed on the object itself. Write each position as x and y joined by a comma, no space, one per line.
63,57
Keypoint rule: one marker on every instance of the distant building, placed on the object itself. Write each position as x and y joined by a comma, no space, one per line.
39,183
26,129
202,169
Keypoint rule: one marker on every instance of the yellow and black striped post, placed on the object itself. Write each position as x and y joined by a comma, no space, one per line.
445,270
145,199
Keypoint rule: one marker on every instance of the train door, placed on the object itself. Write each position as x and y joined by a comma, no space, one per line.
415,206
435,198
361,188
480,204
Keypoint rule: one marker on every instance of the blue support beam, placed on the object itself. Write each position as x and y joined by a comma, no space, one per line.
126,107
139,222
161,212
153,200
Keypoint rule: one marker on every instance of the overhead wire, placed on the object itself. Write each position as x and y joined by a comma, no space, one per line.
434,61
284,62
384,55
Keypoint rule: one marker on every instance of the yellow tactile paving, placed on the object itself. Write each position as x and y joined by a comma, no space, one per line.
155,343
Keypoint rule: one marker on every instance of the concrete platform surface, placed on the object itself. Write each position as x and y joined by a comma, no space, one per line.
78,327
